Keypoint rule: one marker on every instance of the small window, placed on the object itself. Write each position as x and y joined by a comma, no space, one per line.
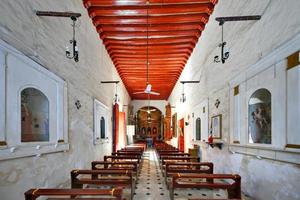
34,116
102,127
198,128
259,117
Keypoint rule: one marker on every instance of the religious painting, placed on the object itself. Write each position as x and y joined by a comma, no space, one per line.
198,128
216,126
259,117
174,125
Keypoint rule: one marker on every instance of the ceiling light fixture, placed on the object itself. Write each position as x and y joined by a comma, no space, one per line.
116,98
73,42
225,55
183,97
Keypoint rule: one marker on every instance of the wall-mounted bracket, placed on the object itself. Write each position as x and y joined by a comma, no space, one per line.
222,20
57,14
116,99
183,97
225,54
73,42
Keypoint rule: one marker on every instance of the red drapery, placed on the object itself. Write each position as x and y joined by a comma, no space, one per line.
122,131
181,135
115,126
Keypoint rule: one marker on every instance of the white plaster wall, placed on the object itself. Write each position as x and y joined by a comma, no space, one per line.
247,42
44,39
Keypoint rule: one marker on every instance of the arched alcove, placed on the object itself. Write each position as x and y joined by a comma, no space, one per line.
259,119
148,123
34,116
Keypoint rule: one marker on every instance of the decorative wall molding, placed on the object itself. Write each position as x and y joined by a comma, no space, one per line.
17,73
269,72
290,156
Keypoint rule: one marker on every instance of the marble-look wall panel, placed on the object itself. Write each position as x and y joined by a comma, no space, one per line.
247,42
44,39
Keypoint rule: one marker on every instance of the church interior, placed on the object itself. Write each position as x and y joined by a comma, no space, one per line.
150,99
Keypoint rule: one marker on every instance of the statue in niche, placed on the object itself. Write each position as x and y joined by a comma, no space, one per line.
260,117
143,131
149,131
154,131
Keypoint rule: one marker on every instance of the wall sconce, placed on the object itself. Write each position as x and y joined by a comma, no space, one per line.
73,42
116,97
217,103
183,97
78,104
224,56
222,20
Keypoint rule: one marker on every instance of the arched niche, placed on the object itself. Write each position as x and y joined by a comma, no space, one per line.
259,119
34,116
148,122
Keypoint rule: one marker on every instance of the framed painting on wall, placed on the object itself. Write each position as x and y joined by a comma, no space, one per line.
216,126
174,125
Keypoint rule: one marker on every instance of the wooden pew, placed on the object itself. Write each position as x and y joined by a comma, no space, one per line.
140,149
140,145
115,194
116,165
173,168
173,154
192,181
125,153
165,159
104,177
123,158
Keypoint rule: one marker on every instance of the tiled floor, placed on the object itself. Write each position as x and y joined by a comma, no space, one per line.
151,185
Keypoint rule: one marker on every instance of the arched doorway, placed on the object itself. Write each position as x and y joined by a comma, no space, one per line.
148,123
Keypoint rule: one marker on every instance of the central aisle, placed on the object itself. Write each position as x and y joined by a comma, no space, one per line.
150,184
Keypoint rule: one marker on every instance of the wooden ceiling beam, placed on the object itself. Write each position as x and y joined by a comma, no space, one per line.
152,41
152,10
150,51
153,27
90,3
172,19
151,34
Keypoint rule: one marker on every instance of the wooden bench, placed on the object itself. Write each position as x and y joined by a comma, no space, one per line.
139,149
173,154
138,145
123,158
104,177
116,165
173,168
126,165
110,194
165,159
192,181
125,153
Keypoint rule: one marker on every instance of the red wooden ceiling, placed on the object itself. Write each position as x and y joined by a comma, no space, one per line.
174,27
